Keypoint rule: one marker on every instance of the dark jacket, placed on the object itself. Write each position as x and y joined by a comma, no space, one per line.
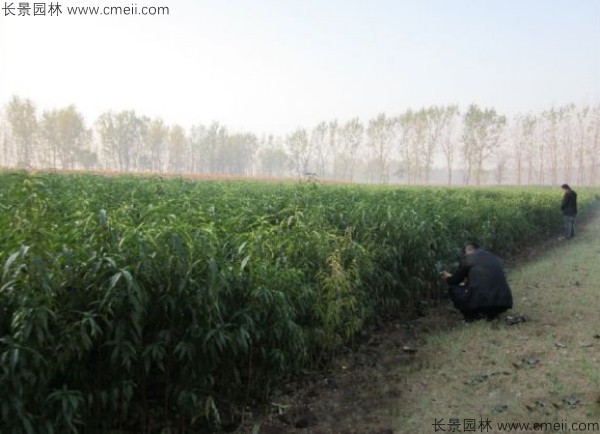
569,203
484,274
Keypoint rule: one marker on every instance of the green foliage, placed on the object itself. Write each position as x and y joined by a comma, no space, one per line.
148,305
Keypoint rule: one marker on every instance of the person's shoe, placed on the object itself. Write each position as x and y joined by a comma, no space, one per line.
510,320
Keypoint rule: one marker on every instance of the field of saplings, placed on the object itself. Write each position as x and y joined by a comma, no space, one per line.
145,305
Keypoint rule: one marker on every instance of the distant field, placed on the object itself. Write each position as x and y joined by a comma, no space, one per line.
139,303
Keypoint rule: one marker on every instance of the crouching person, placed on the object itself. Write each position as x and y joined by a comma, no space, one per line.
478,288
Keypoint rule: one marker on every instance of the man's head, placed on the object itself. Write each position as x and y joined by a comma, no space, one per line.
471,247
565,187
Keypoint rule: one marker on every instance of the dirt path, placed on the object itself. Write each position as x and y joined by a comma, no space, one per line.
437,374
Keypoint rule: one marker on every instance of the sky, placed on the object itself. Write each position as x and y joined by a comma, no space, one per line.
275,65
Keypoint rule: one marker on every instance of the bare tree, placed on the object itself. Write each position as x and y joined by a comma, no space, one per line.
318,142
197,138
518,153
594,146
4,155
23,123
380,133
582,130
65,133
523,146
300,151
566,141
333,128
208,147
409,135
154,136
273,158
351,136
481,136
447,137
120,135
177,142
551,122
502,160
529,149
238,152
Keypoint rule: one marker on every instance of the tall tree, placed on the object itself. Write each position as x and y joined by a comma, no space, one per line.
380,134
523,146
214,140
332,145
593,149
419,133
66,135
551,125
22,119
273,160
238,153
120,135
582,117
408,139
482,132
531,132
502,160
197,138
155,144
566,114
319,142
4,155
300,152
447,137
434,121
351,136
439,122
177,143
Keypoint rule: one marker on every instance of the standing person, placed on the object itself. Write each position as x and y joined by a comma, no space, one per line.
568,207
478,288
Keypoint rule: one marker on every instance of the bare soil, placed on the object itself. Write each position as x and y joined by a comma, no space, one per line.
358,393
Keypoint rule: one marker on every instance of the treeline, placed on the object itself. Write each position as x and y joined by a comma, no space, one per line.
437,144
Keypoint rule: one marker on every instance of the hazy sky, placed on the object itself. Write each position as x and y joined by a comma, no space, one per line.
272,65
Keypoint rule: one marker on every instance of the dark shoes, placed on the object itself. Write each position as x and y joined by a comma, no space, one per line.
511,320
487,313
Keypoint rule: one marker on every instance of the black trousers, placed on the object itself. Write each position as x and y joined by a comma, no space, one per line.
460,295
489,313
